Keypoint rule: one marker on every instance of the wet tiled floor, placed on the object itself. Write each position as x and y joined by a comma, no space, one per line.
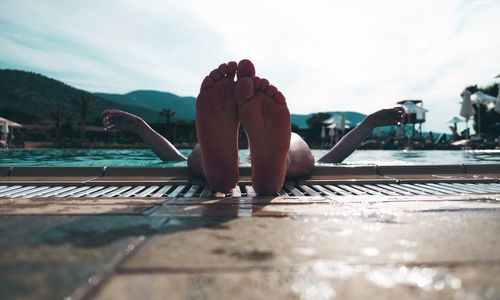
441,247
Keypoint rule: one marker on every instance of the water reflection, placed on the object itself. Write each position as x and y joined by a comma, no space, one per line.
146,158
410,154
483,155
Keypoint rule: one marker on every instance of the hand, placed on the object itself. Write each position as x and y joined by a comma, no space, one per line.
119,120
383,117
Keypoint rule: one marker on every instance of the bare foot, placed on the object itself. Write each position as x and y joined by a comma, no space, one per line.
266,120
217,128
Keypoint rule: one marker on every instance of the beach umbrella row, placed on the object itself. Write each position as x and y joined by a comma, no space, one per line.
479,98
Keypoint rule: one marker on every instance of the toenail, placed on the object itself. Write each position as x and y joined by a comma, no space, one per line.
215,74
271,90
264,83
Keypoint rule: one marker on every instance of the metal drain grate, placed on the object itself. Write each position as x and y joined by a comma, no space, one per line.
201,191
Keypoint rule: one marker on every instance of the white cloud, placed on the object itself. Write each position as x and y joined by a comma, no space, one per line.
324,55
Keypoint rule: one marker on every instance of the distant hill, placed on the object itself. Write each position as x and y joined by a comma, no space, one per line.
354,117
184,107
29,97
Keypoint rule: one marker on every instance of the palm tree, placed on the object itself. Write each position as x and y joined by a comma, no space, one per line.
57,115
85,104
168,113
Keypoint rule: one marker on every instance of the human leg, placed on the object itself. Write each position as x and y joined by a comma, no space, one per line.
217,130
265,117
301,160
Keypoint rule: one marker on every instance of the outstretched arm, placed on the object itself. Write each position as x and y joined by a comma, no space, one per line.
114,119
355,137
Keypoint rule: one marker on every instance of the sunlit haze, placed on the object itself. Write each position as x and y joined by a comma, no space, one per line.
323,55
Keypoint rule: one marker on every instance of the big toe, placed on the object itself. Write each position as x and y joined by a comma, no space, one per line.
245,69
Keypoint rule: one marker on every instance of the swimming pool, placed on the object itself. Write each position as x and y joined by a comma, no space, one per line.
146,158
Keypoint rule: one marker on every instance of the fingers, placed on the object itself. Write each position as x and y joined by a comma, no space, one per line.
389,116
108,122
111,118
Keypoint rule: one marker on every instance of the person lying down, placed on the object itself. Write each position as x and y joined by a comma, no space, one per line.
230,96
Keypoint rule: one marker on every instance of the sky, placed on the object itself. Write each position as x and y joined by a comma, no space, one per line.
323,55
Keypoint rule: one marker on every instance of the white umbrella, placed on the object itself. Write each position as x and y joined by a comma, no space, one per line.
455,120
339,121
466,110
329,121
331,130
10,123
342,122
482,98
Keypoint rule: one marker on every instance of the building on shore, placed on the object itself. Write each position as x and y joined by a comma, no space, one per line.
414,114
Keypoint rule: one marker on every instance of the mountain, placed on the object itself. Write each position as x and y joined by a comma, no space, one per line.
30,97
184,107
354,117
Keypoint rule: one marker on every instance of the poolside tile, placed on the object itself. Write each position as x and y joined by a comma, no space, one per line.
248,200
355,236
484,203
48,257
316,280
70,206
208,211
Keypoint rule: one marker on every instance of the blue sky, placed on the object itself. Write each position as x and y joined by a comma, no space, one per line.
324,55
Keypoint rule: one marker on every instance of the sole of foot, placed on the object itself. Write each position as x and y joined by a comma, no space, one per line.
265,117
217,127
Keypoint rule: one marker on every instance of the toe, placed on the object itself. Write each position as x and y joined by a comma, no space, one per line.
279,98
223,69
215,74
264,83
271,90
208,82
232,66
244,89
245,69
256,81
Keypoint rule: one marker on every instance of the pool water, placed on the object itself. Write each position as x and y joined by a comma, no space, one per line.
146,158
